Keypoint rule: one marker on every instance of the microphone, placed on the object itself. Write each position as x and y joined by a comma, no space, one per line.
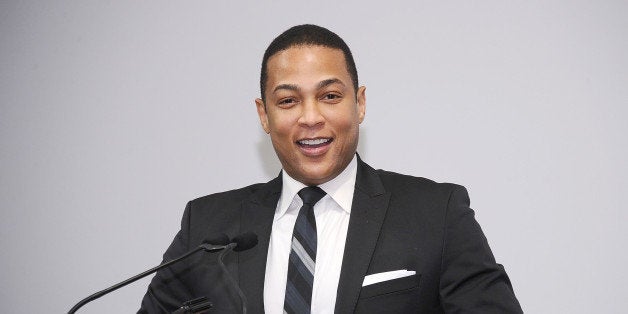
245,241
240,243
211,245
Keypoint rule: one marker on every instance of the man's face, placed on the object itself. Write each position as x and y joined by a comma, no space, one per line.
311,112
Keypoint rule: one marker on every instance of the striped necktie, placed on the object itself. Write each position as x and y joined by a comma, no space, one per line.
303,255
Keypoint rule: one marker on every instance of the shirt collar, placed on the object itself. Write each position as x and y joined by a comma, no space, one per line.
340,189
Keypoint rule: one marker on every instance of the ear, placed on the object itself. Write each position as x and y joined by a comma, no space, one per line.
361,96
261,112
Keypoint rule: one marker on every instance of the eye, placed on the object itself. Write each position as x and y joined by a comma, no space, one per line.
332,97
287,102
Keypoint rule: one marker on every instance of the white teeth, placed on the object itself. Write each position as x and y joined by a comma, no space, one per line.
314,141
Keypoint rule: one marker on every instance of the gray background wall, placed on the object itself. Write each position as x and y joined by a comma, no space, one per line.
115,113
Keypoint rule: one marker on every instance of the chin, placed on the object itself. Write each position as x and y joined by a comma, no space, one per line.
318,177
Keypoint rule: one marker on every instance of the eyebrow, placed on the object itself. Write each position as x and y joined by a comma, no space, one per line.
327,82
291,87
321,84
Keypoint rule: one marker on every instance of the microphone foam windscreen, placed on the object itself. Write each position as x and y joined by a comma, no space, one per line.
245,241
217,239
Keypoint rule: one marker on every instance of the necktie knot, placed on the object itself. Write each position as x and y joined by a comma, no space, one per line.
311,195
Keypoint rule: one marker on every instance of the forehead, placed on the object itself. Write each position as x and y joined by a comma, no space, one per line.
302,64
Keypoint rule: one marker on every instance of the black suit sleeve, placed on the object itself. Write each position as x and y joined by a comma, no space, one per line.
166,289
471,280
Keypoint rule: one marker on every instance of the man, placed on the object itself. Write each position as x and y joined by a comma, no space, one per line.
335,235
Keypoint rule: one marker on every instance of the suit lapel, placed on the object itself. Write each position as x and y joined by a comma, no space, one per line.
370,202
257,216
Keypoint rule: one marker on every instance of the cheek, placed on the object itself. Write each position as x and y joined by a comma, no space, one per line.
347,135
281,133
279,130
281,121
347,127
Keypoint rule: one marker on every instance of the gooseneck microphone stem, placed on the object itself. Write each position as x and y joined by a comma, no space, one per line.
232,281
135,278
240,243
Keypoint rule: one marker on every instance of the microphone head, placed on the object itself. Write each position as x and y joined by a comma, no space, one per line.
217,239
245,241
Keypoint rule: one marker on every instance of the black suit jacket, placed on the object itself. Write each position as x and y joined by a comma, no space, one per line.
397,222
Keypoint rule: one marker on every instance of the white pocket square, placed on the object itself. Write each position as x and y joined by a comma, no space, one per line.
385,276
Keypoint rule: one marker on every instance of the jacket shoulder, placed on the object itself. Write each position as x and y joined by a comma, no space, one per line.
395,181
219,212
235,195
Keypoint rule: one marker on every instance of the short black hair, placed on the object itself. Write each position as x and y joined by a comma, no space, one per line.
307,34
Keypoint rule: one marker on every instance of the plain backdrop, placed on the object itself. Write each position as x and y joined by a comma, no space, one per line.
115,113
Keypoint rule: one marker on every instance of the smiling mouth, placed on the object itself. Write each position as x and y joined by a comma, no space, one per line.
314,143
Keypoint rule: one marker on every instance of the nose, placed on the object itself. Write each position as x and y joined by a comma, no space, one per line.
311,114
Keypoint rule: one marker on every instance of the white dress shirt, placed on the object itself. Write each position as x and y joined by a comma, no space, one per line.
332,221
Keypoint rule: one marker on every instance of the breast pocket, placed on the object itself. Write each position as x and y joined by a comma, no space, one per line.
399,285
392,296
